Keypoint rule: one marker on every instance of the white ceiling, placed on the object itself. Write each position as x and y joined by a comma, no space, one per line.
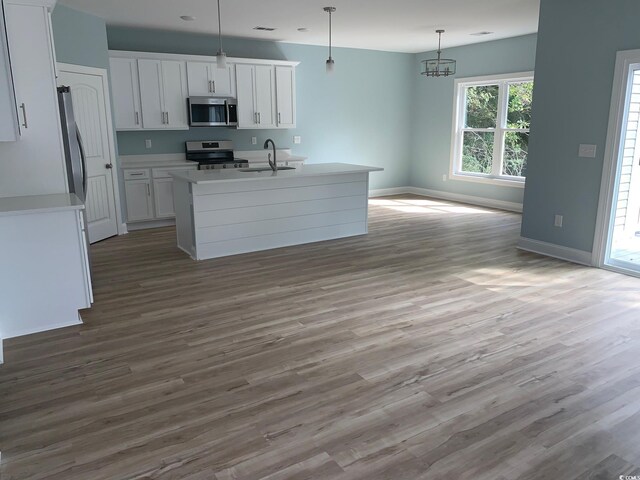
398,25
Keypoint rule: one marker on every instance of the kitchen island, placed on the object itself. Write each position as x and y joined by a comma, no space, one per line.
227,212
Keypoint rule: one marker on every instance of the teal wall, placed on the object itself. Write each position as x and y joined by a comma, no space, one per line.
433,112
80,38
358,114
577,45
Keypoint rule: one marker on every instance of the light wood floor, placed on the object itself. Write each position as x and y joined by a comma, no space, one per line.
429,349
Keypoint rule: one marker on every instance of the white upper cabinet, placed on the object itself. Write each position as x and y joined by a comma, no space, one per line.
256,96
126,99
150,90
285,97
34,163
163,94
205,79
265,96
247,116
8,112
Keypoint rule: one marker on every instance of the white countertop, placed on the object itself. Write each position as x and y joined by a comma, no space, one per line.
155,161
235,175
39,204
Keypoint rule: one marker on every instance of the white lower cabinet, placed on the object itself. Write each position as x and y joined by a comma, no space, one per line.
163,197
139,201
149,193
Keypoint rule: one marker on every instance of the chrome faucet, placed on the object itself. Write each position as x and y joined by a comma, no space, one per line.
273,164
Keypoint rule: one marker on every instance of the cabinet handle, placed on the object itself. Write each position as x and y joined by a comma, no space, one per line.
23,107
163,118
259,118
209,86
167,118
136,174
137,116
148,190
279,120
213,82
255,117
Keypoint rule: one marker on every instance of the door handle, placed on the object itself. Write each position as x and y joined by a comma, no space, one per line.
23,107
108,166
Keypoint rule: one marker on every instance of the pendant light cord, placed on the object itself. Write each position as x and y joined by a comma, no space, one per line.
219,28
329,33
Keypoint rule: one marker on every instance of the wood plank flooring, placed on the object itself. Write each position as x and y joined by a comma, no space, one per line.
429,349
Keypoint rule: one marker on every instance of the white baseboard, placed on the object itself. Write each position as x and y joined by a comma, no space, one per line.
386,192
122,229
150,224
556,251
455,197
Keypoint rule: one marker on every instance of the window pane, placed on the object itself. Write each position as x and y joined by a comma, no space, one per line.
477,152
482,106
520,99
516,150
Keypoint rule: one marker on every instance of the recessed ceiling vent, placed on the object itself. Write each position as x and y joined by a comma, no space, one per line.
264,29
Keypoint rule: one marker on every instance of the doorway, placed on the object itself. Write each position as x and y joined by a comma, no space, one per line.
617,243
91,108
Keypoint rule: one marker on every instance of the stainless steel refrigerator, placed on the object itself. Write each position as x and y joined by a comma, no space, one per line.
73,151
75,158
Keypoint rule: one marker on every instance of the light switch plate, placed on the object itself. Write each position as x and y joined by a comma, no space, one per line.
587,151
297,139
147,143
254,140
558,221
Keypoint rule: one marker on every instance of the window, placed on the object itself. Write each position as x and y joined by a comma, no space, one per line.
491,129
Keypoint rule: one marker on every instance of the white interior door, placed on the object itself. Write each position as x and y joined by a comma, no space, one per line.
90,111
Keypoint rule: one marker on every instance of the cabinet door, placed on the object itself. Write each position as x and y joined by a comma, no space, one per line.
198,79
139,202
8,112
163,197
265,93
222,80
246,96
33,165
151,91
126,93
174,82
285,97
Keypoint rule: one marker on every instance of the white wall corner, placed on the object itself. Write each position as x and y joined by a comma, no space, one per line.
122,229
556,251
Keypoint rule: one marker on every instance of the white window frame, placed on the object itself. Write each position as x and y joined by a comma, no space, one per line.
459,111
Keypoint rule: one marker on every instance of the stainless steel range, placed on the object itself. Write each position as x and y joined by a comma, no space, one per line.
216,154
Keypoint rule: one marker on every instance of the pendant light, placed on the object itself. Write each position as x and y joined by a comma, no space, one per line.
221,57
330,62
439,67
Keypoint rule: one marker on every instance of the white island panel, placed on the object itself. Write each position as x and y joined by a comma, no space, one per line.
227,213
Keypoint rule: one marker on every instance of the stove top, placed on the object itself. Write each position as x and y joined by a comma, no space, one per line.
213,154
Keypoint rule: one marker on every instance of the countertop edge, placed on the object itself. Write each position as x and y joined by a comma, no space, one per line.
30,204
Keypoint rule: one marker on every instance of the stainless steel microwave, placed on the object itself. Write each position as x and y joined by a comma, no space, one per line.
213,112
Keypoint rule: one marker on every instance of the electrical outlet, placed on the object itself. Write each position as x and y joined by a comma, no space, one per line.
558,221
297,139
587,151
444,178
147,143
254,140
